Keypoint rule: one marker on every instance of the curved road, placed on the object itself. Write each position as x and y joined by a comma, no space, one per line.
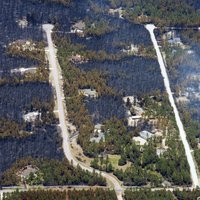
61,108
193,170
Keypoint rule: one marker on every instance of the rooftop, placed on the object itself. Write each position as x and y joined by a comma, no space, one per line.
79,25
146,134
139,140
88,93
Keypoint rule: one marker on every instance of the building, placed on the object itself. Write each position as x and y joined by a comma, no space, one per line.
139,140
98,134
26,171
32,116
78,27
77,59
132,99
23,70
176,41
146,134
160,151
23,23
133,120
88,93
132,49
116,12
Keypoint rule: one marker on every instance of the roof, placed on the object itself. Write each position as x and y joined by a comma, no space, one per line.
160,151
174,40
88,92
140,140
98,126
27,170
101,136
146,134
79,25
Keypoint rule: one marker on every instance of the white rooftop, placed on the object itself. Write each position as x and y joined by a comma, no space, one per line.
31,116
146,134
88,92
139,140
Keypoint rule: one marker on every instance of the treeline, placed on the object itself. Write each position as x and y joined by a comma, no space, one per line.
36,194
97,194
51,172
64,2
102,194
162,13
147,194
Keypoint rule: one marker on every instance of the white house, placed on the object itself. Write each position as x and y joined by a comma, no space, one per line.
78,27
139,140
98,134
146,134
31,116
88,93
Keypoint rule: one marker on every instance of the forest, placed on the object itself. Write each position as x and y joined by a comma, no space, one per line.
146,194
102,194
97,194
85,112
51,172
105,69
161,12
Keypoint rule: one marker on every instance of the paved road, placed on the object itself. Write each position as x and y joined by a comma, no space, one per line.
59,94
193,170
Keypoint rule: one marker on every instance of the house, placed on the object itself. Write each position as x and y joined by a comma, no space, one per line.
23,45
138,110
160,151
98,134
118,12
132,49
23,70
88,93
166,184
133,120
146,134
77,59
170,34
32,116
139,140
23,23
175,41
78,27
131,99
26,171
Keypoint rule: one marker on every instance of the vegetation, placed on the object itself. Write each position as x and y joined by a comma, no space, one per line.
51,172
161,12
64,2
148,167
36,194
97,194
97,28
187,195
147,194
9,128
